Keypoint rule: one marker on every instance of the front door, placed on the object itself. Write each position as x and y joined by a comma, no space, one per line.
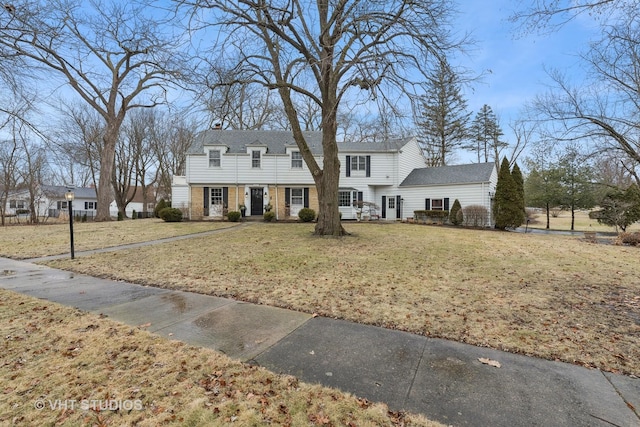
257,201
391,207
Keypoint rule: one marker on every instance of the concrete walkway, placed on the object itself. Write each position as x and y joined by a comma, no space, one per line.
441,379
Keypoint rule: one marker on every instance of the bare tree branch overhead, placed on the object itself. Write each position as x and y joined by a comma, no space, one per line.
116,56
329,52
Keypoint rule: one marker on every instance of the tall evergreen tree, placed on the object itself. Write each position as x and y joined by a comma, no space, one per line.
518,180
543,189
444,119
485,136
507,205
576,181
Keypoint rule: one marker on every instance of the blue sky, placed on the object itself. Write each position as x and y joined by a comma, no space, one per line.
516,63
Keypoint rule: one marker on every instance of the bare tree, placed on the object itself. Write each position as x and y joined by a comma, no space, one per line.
328,51
604,109
77,146
115,55
170,140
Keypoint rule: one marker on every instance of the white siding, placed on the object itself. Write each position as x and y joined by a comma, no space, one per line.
409,158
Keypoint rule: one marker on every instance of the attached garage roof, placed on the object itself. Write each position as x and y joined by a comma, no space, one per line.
456,174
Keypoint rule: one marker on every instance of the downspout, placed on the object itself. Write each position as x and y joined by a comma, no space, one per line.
276,189
237,205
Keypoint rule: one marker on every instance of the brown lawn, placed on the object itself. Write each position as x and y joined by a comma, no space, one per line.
60,366
556,297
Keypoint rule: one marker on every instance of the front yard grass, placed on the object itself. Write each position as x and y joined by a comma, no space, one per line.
555,297
61,366
29,241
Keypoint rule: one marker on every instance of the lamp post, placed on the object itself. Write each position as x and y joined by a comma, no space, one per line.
70,196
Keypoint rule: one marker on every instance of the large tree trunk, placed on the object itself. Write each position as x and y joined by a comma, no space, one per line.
327,185
107,157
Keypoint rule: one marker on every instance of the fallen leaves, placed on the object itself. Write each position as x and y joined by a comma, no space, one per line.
490,362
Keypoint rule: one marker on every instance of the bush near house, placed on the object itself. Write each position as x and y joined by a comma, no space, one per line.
234,216
456,215
171,215
159,206
475,216
269,216
431,216
307,215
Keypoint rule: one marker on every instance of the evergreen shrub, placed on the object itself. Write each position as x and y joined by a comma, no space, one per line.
306,215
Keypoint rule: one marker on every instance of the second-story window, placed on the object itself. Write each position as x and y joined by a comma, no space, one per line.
214,158
358,163
296,160
255,159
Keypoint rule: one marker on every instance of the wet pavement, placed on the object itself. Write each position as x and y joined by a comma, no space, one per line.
441,379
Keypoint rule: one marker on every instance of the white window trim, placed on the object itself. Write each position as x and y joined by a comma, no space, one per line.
218,158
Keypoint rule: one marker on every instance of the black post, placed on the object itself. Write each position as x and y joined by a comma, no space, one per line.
71,226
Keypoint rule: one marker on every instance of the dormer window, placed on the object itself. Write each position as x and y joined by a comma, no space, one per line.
214,158
255,159
296,160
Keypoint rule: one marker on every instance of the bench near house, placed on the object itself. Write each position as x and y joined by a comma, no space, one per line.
264,170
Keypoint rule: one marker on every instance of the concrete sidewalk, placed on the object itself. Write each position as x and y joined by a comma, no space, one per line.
443,380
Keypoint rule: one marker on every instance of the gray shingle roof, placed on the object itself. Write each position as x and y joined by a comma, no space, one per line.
455,174
277,141
59,190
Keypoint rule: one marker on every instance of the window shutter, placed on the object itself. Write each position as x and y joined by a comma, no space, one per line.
384,206
206,197
348,165
225,196
306,197
360,196
398,207
368,166
427,204
287,195
446,204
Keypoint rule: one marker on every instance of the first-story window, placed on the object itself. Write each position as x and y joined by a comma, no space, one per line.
297,196
90,205
16,204
214,158
216,196
344,198
437,205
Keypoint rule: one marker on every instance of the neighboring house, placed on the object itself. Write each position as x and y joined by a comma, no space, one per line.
50,201
264,170
137,203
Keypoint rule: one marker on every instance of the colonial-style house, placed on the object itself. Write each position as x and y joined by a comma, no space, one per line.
264,170
50,201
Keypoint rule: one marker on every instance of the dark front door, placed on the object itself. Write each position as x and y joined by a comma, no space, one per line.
256,201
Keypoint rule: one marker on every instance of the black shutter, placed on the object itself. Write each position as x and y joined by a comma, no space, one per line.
398,207
446,203
384,206
368,166
427,204
306,197
287,195
360,196
206,201
348,165
225,196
